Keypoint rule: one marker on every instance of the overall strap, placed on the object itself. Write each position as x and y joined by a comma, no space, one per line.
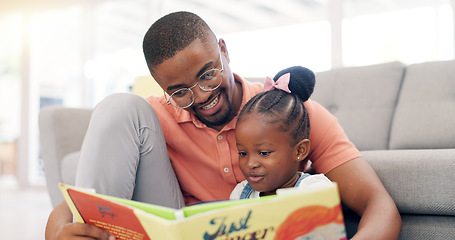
246,192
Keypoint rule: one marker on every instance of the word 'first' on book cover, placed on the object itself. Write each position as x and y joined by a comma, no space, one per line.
292,214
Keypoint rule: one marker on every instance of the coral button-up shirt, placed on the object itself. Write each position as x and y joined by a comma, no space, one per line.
206,161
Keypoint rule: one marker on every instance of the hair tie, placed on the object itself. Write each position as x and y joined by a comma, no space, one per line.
282,83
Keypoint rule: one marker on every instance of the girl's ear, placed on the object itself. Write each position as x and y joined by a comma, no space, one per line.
303,149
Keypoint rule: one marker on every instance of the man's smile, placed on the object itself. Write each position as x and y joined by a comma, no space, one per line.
212,107
212,104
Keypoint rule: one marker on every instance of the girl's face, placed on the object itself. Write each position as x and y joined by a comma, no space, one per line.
266,157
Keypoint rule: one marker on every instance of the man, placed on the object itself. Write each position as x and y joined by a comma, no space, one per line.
129,142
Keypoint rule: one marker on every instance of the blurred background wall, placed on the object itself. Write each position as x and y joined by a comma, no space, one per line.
75,52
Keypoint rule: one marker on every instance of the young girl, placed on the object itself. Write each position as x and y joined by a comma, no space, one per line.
272,134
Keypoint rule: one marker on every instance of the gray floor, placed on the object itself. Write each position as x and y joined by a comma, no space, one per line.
23,212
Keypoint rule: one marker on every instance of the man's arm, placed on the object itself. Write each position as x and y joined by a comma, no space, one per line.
362,191
60,226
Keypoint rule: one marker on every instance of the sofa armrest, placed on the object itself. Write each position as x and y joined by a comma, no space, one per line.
419,181
62,131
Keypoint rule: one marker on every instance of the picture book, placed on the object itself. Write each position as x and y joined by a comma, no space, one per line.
313,213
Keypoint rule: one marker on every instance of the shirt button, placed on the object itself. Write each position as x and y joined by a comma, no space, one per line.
226,170
220,137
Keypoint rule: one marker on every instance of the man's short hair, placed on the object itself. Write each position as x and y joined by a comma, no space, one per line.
172,33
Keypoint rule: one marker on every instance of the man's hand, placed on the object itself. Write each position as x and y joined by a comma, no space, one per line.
362,191
60,226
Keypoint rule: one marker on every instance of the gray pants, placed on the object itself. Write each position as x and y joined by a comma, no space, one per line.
124,153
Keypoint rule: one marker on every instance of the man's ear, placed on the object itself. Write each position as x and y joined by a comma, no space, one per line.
223,49
303,149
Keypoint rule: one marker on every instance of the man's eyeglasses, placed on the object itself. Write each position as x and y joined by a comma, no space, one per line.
208,81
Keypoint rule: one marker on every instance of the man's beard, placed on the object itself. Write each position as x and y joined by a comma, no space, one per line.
222,119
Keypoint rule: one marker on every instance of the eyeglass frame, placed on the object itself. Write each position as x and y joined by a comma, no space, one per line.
168,101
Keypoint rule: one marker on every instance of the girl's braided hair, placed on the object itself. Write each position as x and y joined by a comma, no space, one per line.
287,109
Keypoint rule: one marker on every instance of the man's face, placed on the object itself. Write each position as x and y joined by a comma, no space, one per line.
214,108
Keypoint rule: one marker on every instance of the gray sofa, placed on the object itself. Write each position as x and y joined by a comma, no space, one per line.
399,116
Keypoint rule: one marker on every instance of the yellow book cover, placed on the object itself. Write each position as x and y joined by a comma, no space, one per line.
313,213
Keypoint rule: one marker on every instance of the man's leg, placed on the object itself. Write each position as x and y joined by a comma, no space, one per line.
124,153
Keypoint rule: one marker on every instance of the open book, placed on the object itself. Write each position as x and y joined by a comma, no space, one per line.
313,213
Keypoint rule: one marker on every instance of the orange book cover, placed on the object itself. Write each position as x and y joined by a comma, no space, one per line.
115,218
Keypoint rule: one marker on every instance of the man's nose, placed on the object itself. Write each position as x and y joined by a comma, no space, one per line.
200,96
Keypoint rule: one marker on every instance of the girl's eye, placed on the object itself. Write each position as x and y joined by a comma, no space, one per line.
264,154
242,154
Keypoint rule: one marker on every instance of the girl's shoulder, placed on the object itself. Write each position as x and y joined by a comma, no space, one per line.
312,180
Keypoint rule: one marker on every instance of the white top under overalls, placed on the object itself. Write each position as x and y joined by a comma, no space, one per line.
243,189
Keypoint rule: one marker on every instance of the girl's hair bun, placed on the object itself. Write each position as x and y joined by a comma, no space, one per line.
302,81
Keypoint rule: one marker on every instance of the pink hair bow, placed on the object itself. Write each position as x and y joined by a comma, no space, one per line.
282,83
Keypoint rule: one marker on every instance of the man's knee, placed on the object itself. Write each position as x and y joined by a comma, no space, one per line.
124,108
123,103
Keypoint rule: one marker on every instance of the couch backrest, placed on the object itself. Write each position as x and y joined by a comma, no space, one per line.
363,99
62,131
425,112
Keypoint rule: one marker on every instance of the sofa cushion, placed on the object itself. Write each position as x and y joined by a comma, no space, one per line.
426,108
419,181
363,99
427,227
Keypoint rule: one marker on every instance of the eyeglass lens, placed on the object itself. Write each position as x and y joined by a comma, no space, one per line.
208,81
